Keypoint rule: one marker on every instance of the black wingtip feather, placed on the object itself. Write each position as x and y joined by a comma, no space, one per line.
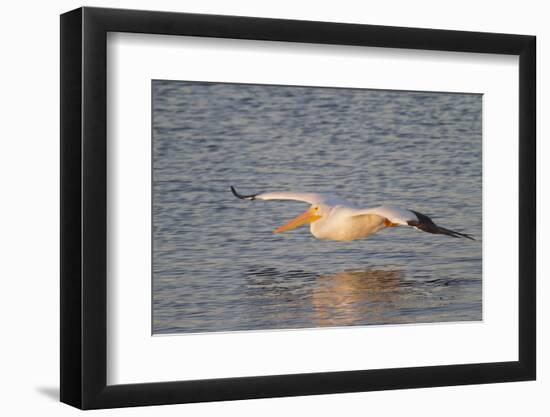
452,233
241,196
426,224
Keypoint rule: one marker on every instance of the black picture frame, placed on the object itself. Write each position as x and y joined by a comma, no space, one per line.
84,207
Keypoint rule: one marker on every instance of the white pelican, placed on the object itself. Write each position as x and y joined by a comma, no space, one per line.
333,218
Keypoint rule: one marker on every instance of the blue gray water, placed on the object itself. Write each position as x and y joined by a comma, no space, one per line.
217,266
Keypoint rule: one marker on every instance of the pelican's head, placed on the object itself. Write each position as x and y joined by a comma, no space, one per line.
314,213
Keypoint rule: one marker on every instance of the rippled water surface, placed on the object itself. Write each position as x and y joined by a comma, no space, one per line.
217,266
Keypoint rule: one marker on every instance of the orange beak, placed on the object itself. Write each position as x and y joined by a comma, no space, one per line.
308,217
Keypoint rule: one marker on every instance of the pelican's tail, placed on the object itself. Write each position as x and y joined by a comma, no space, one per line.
426,224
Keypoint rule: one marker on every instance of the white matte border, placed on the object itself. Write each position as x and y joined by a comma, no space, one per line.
134,356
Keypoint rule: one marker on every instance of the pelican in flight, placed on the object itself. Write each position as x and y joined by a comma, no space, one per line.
333,218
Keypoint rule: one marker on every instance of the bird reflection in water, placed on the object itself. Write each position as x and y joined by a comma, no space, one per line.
372,296
359,297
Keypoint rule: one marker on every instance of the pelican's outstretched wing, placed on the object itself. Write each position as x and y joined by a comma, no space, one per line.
311,198
402,217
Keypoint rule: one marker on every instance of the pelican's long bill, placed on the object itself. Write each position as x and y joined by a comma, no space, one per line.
305,218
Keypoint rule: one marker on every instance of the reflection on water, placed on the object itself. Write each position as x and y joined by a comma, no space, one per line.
218,267
378,296
356,297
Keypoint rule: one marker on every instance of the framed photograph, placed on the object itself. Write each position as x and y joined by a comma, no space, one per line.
259,208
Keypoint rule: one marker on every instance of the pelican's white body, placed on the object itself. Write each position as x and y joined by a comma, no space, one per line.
341,220
345,223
